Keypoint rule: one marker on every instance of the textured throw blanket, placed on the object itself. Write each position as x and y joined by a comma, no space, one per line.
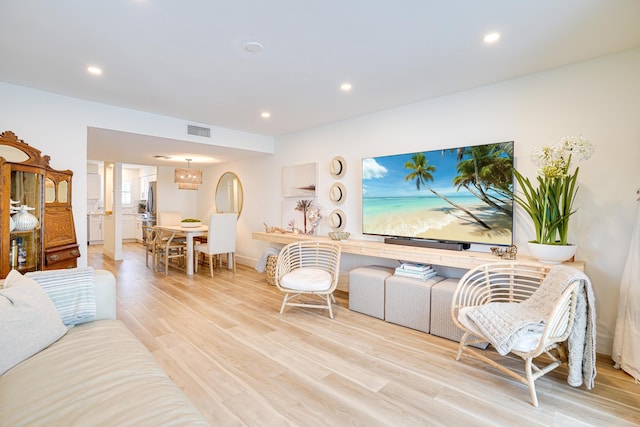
504,323
261,265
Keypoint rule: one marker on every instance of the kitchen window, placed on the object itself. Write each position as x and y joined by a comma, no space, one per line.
127,193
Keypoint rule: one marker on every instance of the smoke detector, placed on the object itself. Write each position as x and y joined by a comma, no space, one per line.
253,47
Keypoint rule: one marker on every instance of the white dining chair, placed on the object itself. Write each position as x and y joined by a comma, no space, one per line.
221,239
169,218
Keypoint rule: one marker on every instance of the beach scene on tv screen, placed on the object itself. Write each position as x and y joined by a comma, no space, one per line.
461,194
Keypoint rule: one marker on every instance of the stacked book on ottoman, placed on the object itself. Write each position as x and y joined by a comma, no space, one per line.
415,270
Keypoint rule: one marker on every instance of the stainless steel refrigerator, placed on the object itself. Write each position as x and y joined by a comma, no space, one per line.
152,193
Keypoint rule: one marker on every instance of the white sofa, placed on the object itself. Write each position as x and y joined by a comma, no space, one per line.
97,374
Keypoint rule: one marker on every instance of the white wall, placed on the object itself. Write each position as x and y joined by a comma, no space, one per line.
57,126
170,198
599,99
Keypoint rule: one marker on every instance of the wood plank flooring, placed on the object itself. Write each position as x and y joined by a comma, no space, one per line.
225,344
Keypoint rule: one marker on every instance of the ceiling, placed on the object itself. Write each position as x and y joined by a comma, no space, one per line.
190,60
115,146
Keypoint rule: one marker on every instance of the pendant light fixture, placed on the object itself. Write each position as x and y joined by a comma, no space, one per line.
187,178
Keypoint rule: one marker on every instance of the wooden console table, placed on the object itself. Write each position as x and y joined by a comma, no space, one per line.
460,259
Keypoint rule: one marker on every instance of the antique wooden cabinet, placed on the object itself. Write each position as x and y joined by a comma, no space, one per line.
36,228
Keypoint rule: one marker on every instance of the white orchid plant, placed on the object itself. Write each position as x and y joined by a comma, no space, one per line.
550,205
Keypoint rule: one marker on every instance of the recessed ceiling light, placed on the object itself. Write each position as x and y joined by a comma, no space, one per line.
94,70
253,47
265,114
346,87
491,37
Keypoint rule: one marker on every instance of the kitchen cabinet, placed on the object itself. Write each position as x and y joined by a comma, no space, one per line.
139,237
93,186
129,227
144,186
36,217
96,225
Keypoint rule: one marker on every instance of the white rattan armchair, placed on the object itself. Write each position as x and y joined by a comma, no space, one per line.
308,268
515,282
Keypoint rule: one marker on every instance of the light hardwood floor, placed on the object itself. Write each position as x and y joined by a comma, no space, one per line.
224,343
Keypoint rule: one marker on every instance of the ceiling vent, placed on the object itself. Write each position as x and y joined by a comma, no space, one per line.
198,131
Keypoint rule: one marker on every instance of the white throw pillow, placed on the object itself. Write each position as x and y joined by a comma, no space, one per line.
29,322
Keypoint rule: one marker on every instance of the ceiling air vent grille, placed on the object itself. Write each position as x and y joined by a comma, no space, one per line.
198,131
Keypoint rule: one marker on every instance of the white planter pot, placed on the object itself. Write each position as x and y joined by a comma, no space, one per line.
552,254
191,224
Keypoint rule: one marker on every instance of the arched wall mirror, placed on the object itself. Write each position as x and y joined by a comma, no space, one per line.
229,194
337,193
337,220
338,167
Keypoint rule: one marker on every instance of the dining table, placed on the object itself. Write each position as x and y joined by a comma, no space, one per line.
189,233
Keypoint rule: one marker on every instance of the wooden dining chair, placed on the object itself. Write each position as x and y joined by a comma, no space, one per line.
171,218
149,244
166,249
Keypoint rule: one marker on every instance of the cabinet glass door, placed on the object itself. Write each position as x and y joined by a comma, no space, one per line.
25,252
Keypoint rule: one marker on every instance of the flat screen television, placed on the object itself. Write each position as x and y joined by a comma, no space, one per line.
460,194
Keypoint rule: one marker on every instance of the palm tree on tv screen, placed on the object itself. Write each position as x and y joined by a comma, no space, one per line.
422,173
487,174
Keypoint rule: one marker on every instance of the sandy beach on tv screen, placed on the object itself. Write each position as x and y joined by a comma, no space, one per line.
445,224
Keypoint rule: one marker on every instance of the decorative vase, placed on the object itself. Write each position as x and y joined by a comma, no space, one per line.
12,224
552,254
24,220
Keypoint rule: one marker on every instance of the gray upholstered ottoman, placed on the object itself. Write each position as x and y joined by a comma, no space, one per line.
366,289
408,301
441,323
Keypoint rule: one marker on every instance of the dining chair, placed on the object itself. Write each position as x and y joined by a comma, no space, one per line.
166,249
221,239
149,244
169,218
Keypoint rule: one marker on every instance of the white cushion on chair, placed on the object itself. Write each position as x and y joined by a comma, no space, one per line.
307,279
526,343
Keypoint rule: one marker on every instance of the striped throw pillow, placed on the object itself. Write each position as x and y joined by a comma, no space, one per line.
72,292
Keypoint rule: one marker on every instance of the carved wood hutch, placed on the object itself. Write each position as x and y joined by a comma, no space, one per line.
28,184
